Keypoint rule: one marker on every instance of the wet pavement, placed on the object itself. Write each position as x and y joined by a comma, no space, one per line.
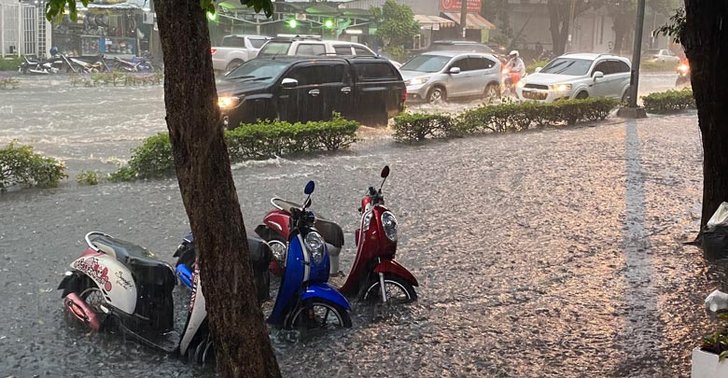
545,253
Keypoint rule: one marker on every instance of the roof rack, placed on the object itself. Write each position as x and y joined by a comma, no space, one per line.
299,36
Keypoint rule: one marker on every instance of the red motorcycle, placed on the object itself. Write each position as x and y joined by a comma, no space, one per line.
275,228
376,275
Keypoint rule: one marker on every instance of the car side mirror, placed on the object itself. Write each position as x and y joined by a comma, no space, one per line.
538,69
598,75
289,83
454,70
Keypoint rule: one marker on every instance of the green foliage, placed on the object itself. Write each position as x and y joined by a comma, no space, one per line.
653,66
675,27
717,342
115,78
9,83
9,64
669,101
531,68
88,178
414,127
262,140
19,165
56,8
506,117
397,24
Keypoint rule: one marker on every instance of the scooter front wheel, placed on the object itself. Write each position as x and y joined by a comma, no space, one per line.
397,289
318,314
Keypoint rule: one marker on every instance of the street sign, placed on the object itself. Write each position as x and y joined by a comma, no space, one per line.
454,5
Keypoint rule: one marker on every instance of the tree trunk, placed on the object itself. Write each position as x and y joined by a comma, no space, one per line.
559,26
705,39
242,345
623,24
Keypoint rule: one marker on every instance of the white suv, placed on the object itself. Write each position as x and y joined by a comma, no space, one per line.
314,46
578,76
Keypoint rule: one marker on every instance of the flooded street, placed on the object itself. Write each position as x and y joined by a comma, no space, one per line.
539,254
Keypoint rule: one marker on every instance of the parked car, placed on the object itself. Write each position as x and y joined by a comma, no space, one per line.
661,55
577,76
236,49
290,88
442,75
462,46
314,46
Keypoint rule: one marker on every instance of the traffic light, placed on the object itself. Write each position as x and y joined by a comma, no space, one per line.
329,23
292,23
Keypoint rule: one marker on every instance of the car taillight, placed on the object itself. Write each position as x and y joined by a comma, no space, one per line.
213,51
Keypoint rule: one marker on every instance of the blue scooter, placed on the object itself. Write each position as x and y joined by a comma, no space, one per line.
305,299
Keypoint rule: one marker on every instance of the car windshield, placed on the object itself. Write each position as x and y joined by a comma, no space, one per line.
426,63
275,48
258,70
465,47
567,66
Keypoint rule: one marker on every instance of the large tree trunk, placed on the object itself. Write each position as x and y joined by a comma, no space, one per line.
242,345
559,26
705,39
622,26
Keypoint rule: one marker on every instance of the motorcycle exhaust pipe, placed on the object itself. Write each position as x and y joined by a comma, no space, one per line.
81,310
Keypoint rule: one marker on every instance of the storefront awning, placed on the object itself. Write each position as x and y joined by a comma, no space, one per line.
472,21
430,22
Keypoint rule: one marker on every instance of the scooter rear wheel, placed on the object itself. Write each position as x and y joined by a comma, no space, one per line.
398,290
318,314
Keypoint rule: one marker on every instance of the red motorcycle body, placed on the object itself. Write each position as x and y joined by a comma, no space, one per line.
375,252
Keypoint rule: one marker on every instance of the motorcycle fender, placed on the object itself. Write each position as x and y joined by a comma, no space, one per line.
197,314
393,267
326,292
112,277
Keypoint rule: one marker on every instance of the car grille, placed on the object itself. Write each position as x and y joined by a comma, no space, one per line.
534,95
536,86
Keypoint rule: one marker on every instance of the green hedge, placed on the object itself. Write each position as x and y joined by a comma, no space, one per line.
19,165
9,64
501,118
669,101
247,142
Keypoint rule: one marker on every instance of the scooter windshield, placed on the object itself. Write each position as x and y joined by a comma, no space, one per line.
284,205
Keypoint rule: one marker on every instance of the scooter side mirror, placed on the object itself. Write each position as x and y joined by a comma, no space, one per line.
309,187
385,171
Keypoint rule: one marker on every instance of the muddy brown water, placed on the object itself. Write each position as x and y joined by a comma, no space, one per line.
546,253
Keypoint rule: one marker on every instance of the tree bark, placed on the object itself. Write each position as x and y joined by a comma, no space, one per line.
705,39
558,25
623,23
240,336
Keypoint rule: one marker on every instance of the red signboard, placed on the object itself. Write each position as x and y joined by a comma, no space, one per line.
454,5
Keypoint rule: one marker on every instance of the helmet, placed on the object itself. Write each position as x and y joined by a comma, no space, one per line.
513,54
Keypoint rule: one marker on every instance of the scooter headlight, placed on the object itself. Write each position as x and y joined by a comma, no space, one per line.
389,223
315,244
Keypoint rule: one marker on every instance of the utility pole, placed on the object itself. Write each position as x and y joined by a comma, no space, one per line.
632,111
463,16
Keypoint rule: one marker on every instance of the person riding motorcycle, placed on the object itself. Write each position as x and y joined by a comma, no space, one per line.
513,71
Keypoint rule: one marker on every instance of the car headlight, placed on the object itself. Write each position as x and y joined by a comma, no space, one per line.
389,223
315,244
521,84
227,102
417,81
367,220
560,87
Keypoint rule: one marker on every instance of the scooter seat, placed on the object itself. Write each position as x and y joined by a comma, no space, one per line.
330,231
142,263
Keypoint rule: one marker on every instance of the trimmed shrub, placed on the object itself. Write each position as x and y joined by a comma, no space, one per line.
10,64
247,142
19,165
669,101
655,66
414,127
507,117
88,178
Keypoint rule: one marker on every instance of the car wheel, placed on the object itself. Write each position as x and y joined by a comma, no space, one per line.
582,95
233,65
436,95
625,96
491,92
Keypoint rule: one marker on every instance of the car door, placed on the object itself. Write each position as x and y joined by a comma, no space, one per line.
378,89
600,86
457,85
483,72
322,89
622,77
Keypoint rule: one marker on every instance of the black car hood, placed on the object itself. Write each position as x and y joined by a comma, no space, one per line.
241,86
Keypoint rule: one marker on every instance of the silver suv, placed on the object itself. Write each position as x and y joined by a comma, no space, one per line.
442,75
314,46
577,76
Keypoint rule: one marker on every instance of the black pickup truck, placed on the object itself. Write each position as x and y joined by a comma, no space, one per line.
294,88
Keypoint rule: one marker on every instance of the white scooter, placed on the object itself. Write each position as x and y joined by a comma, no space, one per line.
118,283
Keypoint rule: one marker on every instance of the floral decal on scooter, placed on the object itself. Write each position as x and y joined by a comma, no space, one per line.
91,267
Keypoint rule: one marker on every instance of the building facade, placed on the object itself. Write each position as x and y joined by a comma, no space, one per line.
23,29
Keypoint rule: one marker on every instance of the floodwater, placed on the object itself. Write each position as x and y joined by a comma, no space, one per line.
545,253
